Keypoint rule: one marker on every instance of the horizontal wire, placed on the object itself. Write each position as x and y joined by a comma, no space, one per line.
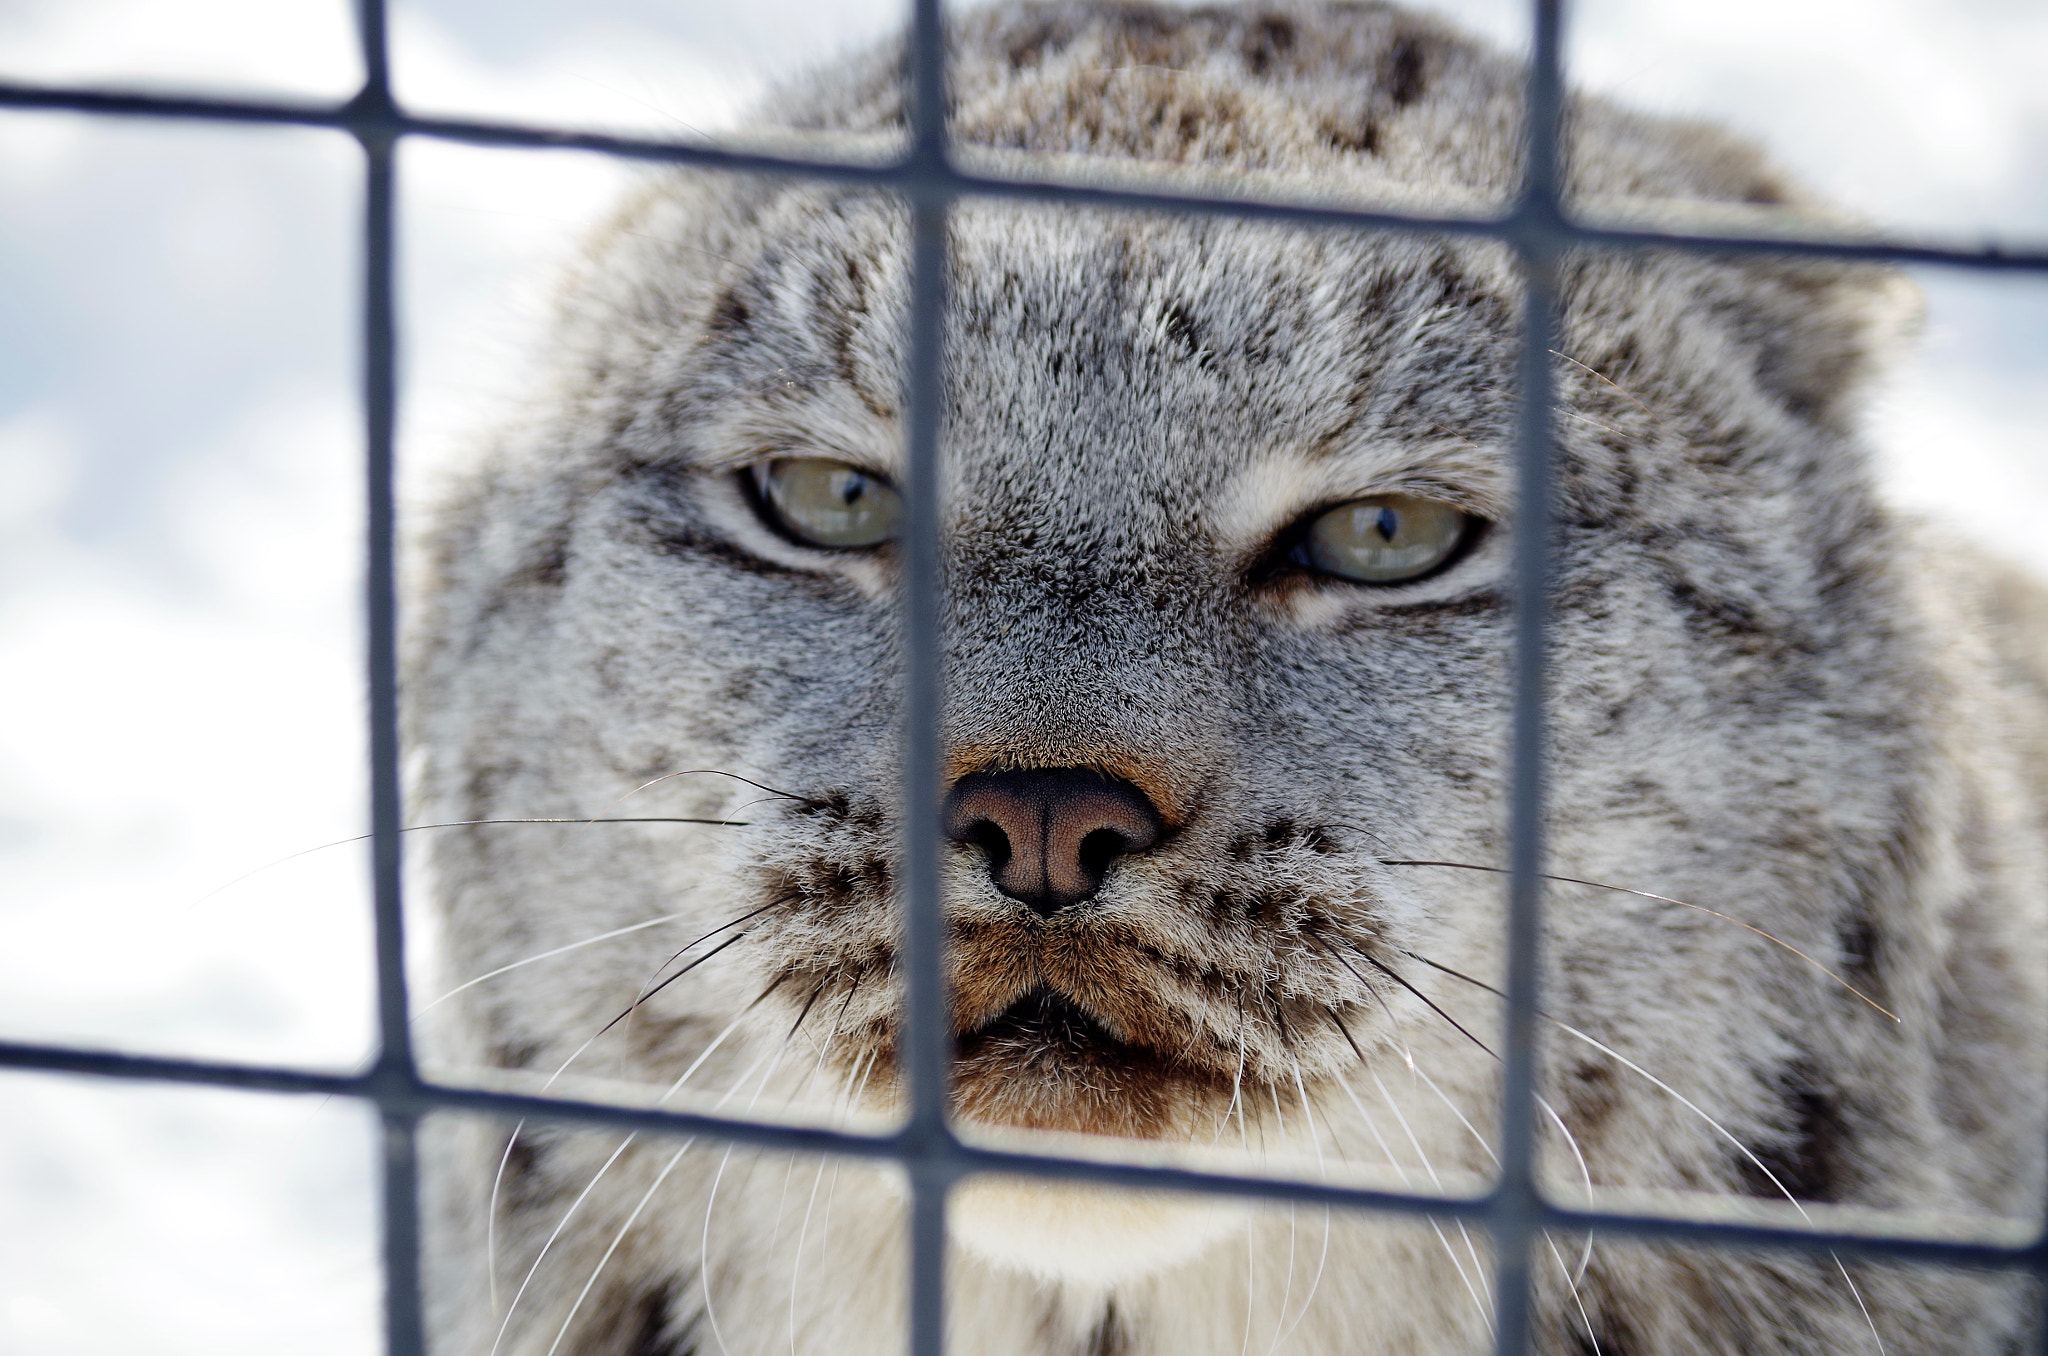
927,181
419,1097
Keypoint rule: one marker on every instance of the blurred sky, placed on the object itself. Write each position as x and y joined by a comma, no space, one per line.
179,522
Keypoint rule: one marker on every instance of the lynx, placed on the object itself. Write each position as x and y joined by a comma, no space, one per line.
1226,515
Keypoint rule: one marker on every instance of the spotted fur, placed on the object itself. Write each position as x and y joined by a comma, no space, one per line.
1772,695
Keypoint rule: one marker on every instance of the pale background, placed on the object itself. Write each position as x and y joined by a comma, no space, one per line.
179,519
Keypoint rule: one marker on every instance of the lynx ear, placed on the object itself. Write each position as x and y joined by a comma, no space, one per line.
1821,329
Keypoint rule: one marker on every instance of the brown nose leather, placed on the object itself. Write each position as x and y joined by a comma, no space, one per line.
1050,833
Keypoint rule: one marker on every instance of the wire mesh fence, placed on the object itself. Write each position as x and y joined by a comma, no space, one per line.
1537,229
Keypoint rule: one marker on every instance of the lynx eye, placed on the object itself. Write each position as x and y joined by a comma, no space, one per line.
1386,539
827,503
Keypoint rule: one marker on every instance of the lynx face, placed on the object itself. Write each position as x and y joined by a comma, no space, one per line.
1226,512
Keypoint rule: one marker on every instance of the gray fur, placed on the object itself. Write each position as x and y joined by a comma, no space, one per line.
1772,696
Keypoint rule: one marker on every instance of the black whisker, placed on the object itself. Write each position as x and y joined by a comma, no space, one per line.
1377,964
685,950
812,801
808,1002
1387,970
1454,974
643,998
1345,1032
847,1001
1666,899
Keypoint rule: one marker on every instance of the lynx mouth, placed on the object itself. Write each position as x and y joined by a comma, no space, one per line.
1045,1062
1044,1027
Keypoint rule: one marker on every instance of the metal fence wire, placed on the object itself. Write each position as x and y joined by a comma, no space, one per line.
925,1148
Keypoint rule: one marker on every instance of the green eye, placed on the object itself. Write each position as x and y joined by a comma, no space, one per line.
1387,539
827,503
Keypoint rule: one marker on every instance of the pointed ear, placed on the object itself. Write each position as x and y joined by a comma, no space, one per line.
1820,329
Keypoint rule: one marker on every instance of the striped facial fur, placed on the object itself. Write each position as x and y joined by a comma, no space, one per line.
1225,530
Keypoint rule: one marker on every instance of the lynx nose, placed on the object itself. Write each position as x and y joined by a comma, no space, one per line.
1050,833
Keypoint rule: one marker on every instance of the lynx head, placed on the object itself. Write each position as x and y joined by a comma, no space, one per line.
1226,517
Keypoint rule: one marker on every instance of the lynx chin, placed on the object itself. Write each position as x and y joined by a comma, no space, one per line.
1226,518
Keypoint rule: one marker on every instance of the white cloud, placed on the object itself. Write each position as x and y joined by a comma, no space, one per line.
302,47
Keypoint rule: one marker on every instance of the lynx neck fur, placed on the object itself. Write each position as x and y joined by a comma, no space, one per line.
1226,521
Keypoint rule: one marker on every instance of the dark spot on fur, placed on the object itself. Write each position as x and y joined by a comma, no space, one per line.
546,566
516,1055
1857,936
1359,138
1108,1338
1032,46
483,787
1810,1161
738,689
1729,622
1405,80
526,1185
1591,1097
1766,192
1147,34
1270,37
729,314
845,302
1610,1337
1317,840
656,1333
1185,333
522,1158
1269,908
1280,831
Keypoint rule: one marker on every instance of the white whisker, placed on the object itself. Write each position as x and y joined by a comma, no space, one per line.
1475,1286
1236,1083
1718,1129
1571,1281
1850,1281
491,1217
825,1222
617,1238
711,1199
1408,1184
505,1325
797,1260
564,1221
545,955
1251,1291
1287,1286
1578,1300
1323,1257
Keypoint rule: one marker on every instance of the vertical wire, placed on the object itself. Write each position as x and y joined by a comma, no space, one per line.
925,1025
1538,219
381,583
404,1330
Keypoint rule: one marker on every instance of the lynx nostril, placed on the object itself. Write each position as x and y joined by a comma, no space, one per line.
990,838
1050,834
